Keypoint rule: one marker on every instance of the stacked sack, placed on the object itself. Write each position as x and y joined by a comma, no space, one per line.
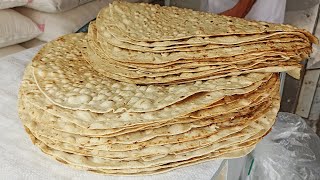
32,23
152,88
59,17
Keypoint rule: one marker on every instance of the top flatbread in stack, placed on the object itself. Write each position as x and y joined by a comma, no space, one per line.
149,44
116,103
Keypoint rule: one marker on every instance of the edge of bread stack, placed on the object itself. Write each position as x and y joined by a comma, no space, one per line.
150,88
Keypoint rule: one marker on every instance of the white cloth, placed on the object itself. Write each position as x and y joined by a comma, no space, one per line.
20,159
262,10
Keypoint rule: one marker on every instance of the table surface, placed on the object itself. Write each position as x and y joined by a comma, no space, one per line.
20,159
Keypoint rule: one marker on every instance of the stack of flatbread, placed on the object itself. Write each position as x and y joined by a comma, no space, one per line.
152,88
149,44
